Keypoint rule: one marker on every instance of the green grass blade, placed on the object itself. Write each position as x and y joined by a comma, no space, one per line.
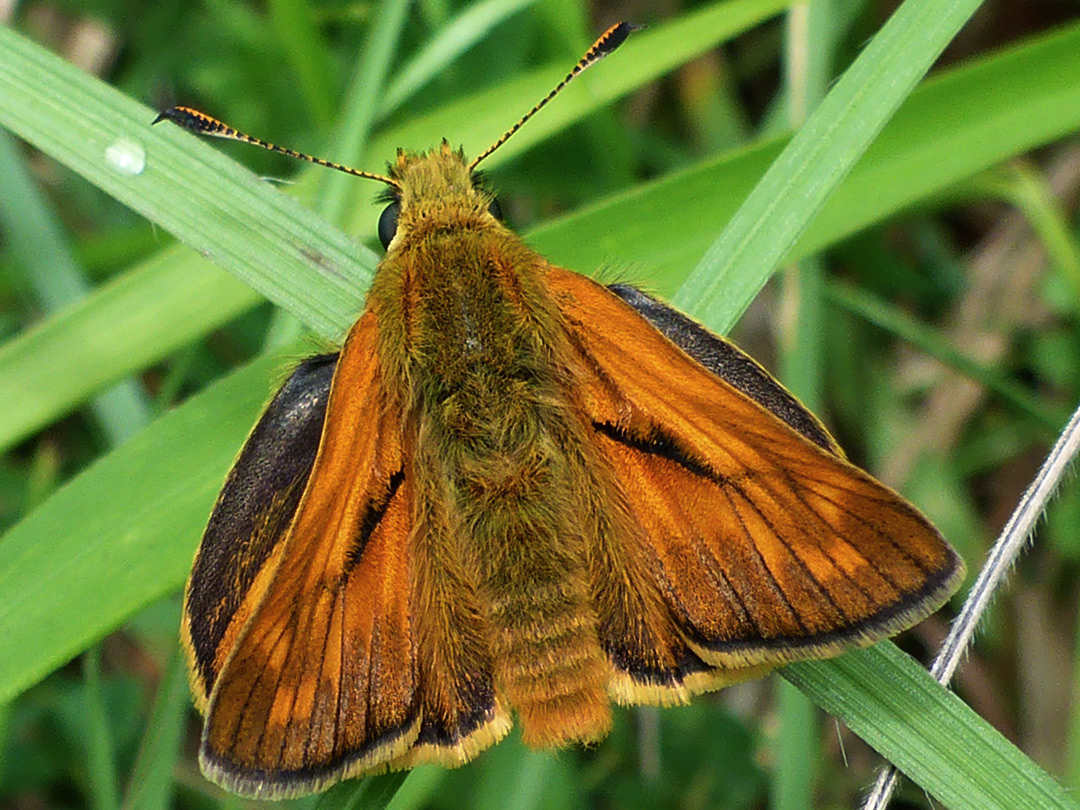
372,793
151,785
882,314
1026,189
931,735
418,790
468,27
101,759
303,42
796,747
361,105
35,236
818,158
123,533
123,327
187,186
41,249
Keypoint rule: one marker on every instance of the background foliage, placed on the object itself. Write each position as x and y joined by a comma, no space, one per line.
931,320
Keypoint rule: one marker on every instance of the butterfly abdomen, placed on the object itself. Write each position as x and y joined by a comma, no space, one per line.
509,474
529,541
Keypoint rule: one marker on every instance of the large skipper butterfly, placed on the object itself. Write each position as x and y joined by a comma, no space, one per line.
517,491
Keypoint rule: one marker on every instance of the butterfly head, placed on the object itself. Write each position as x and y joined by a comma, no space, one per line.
433,192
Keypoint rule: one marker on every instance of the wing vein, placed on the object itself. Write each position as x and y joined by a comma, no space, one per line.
791,549
779,591
258,680
886,538
869,561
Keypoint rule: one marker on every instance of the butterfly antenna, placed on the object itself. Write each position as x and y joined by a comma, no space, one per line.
202,124
608,42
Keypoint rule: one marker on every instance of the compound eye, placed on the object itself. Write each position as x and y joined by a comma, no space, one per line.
495,209
388,224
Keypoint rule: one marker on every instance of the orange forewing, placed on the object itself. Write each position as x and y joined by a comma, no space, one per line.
318,673
767,547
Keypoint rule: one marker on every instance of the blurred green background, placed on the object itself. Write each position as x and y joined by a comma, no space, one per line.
932,321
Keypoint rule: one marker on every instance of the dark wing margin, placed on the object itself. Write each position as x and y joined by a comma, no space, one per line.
728,362
253,512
